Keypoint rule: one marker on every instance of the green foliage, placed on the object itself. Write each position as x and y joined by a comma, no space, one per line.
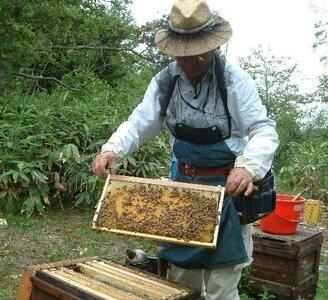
265,294
152,159
47,143
322,286
37,38
56,53
307,157
307,167
249,290
281,96
321,39
321,47
146,38
301,159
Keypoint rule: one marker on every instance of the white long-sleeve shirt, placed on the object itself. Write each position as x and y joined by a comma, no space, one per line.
253,137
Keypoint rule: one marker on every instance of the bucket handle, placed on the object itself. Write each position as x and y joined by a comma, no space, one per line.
289,220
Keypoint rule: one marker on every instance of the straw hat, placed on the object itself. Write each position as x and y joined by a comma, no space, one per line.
193,30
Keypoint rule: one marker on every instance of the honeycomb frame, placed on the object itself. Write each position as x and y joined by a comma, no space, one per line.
168,211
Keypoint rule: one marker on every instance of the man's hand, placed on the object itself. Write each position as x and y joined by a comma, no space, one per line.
239,180
102,161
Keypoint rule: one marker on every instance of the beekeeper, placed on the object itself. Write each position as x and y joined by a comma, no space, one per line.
220,135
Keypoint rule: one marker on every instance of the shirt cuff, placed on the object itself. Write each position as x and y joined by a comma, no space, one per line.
109,147
251,166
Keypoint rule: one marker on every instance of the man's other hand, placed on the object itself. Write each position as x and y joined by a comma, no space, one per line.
103,160
239,180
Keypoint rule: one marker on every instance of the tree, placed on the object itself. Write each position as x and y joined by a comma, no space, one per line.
279,93
321,44
147,34
53,38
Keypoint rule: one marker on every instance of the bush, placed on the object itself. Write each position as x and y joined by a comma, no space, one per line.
307,167
47,143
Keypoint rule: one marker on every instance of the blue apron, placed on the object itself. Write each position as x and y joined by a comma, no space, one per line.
230,248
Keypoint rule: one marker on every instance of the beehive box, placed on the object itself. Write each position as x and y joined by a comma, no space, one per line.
168,211
287,264
96,279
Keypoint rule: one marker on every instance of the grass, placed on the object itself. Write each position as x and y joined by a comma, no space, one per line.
322,286
62,235
54,237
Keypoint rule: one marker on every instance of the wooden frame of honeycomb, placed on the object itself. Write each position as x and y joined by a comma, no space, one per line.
97,278
168,211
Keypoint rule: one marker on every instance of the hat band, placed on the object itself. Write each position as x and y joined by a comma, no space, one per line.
211,23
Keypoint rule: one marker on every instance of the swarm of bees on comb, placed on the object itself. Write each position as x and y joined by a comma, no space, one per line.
175,212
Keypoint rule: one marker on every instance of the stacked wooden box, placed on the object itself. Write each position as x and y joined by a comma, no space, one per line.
287,264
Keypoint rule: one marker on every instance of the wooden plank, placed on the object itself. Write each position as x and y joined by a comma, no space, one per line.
72,280
307,266
25,285
220,206
176,291
39,294
101,287
267,247
303,233
310,245
129,275
135,271
273,268
282,291
54,291
102,197
123,283
306,289
169,183
159,238
271,245
66,286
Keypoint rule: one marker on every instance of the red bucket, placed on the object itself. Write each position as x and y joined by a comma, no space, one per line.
286,216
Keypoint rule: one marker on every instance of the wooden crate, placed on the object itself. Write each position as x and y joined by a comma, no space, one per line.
176,212
287,264
96,278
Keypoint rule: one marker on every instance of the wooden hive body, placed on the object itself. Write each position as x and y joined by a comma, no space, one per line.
287,264
167,211
96,279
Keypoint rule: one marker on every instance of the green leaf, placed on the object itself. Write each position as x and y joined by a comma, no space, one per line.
28,206
36,175
24,177
21,165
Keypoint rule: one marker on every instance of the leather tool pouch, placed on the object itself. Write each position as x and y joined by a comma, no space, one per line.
261,203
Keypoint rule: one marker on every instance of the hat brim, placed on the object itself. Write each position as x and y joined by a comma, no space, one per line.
202,42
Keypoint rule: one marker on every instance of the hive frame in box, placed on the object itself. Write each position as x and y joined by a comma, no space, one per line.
96,278
211,245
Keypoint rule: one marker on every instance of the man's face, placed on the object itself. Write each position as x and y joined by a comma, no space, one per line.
195,66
